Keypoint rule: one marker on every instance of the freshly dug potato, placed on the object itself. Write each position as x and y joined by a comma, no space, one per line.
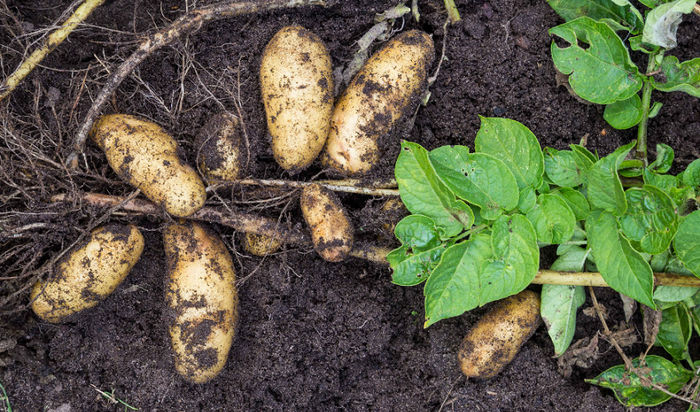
88,273
201,292
497,337
331,229
260,245
144,155
297,89
220,150
378,95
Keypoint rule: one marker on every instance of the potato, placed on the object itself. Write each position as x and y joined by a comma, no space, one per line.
393,210
201,294
497,337
331,229
297,89
88,273
260,245
141,153
219,148
378,95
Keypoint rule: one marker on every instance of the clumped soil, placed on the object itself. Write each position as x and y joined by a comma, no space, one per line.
313,335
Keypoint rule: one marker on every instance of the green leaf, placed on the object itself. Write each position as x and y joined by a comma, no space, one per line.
516,258
651,219
576,201
417,232
665,263
624,114
674,331
603,73
655,108
515,145
478,178
424,193
579,235
561,168
691,175
662,23
527,200
413,268
631,391
687,242
673,293
604,187
621,14
622,267
560,302
552,219
664,158
684,77
455,285
663,182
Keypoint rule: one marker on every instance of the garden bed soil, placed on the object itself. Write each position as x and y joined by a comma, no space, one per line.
313,335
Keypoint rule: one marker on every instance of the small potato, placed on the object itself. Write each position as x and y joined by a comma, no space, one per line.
88,273
260,245
144,155
497,337
201,293
393,210
331,229
378,95
297,89
220,150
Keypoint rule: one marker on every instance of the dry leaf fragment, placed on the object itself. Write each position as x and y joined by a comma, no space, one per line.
582,354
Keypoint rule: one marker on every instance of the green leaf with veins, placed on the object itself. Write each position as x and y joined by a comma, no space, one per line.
515,145
675,330
603,73
578,236
663,182
527,200
684,77
687,242
560,302
553,219
576,201
691,175
419,253
631,391
515,261
622,267
424,193
455,285
621,15
624,114
478,178
584,160
664,159
650,219
662,23
561,167
604,187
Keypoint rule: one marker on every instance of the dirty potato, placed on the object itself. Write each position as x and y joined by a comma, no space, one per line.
203,302
220,153
297,89
378,95
331,228
497,337
144,155
260,245
88,273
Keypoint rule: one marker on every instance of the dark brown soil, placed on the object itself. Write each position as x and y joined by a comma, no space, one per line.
313,335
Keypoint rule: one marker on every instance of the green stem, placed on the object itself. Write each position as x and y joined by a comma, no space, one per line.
469,232
646,103
452,11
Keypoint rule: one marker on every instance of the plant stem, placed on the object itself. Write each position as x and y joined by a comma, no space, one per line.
346,185
553,277
452,11
646,103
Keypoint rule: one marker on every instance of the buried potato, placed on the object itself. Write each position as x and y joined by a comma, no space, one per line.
143,154
331,228
88,273
260,245
378,95
219,148
203,301
296,81
496,338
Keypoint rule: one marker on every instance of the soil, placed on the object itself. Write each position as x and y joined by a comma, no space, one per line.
313,335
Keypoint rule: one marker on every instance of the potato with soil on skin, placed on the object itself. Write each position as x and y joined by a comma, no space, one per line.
331,228
379,94
219,147
88,273
296,80
144,155
201,293
497,337
260,245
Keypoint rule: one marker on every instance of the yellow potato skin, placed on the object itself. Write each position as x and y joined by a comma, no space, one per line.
296,80
219,148
497,337
375,99
260,245
88,273
331,228
144,155
203,301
